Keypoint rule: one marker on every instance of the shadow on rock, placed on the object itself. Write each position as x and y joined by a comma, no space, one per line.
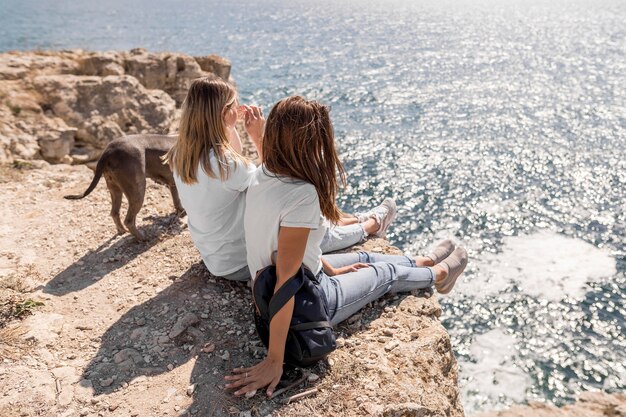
111,255
197,318
206,321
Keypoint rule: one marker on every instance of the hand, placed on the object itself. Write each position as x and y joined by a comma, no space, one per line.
254,123
350,268
267,372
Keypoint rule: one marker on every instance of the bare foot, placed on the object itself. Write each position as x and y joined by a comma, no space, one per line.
423,261
441,274
370,226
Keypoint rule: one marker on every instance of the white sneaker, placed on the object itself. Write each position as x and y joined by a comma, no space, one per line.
384,215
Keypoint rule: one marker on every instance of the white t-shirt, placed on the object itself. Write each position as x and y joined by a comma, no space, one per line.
272,202
215,211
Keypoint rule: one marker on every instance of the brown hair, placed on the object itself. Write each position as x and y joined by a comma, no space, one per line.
299,143
202,130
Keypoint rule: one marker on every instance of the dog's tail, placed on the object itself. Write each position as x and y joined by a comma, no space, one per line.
94,182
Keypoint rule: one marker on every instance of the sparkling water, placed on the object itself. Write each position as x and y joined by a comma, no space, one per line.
501,123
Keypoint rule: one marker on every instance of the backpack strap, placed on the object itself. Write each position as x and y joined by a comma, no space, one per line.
311,325
285,292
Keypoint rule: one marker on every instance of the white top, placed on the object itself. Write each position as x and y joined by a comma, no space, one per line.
215,211
272,202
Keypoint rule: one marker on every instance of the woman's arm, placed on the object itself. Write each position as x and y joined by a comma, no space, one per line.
255,126
330,271
291,246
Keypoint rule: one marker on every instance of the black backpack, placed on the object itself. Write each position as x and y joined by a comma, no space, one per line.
310,336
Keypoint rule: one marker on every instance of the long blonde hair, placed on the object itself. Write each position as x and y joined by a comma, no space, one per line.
202,129
299,142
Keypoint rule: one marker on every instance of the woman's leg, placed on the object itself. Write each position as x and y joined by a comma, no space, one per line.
347,220
242,274
342,237
348,293
338,260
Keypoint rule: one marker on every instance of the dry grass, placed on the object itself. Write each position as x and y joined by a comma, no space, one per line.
12,342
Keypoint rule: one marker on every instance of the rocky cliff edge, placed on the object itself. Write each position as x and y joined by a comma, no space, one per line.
132,328
66,106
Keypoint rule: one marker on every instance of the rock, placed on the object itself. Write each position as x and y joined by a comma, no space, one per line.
106,382
126,359
405,410
103,108
250,394
215,64
225,356
139,333
55,144
125,355
182,324
44,327
64,107
102,64
313,377
391,346
84,411
139,380
208,347
589,404
190,389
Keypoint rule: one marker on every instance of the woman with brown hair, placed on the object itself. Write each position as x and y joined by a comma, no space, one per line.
294,189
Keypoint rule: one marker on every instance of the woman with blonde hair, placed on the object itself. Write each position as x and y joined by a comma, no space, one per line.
212,177
295,188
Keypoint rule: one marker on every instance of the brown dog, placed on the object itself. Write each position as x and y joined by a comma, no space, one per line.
125,164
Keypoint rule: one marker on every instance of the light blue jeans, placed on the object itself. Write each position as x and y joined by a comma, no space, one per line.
342,237
346,294
242,274
335,238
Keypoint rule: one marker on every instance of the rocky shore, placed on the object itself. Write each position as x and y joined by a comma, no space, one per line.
109,326
589,404
64,107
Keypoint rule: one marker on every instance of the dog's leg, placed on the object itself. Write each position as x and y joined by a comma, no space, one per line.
134,193
177,204
116,203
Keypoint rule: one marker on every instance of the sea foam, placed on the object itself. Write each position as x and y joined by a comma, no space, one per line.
545,265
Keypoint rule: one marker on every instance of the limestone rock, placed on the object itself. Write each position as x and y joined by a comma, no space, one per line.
182,324
102,64
66,106
55,144
44,327
85,102
589,404
215,64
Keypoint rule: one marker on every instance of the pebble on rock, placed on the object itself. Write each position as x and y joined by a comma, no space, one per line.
182,324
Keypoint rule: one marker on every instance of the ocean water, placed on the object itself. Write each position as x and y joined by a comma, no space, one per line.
501,123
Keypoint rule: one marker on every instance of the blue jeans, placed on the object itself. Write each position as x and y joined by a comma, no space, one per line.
342,237
348,293
242,274
336,238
